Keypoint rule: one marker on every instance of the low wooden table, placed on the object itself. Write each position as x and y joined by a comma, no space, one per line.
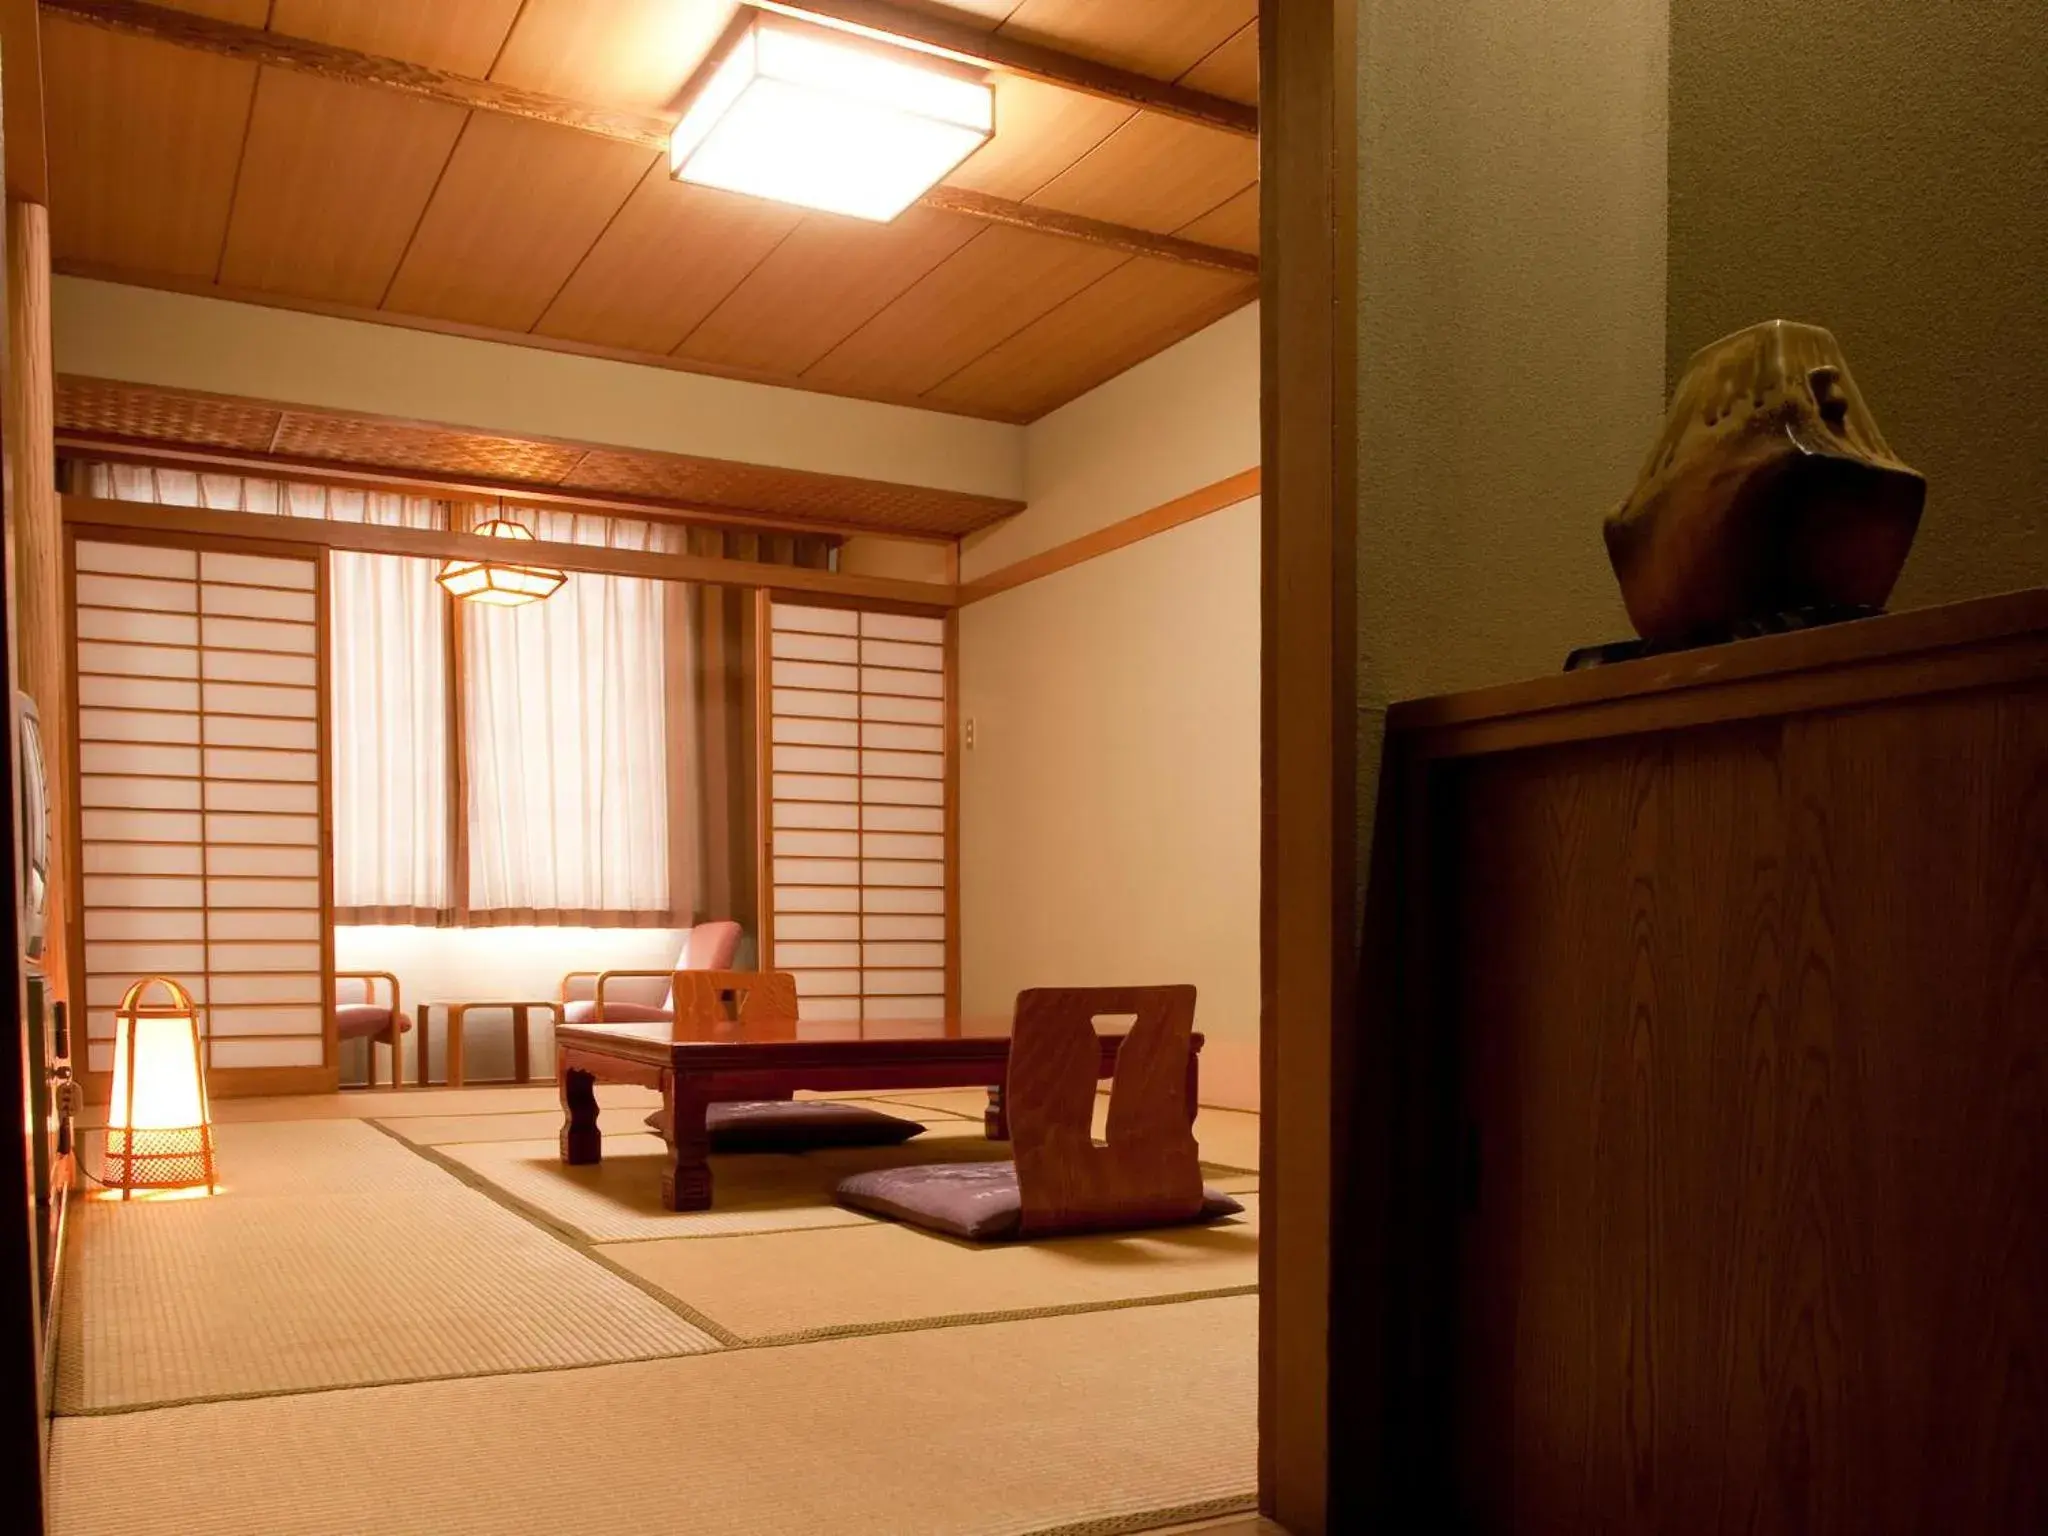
752,1063
457,1013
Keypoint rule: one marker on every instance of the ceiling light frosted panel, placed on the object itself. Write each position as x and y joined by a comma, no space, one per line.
827,120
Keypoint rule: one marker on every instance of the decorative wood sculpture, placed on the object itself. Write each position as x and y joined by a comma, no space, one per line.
1771,490
1149,1172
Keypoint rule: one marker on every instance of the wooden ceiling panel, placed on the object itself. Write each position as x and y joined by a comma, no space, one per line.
1231,70
624,53
141,413
517,207
1163,38
1155,173
247,13
143,141
413,445
332,185
818,286
1141,308
1234,225
461,36
664,263
997,283
1040,131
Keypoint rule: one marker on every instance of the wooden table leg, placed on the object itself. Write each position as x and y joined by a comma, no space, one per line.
522,1061
686,1176
581,1140
457,1013
995,1120
426,1011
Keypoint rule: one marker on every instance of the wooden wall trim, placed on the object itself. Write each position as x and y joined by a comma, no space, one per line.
1034,61
1308,843
1227,492
914,596
453,487
193,428
28,165
1924,650
643,131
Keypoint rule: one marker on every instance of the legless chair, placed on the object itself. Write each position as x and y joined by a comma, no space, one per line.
758,1005
1147,1173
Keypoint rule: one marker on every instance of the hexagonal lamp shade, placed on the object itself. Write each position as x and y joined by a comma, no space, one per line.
503,583
159,1128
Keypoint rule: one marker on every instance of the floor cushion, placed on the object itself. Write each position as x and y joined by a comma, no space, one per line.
977,1201
796,1125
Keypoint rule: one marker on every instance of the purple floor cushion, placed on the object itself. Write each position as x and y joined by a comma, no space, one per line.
978,1201
796,1125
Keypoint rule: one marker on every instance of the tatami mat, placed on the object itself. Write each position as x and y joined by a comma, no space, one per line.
1094,1422
304,1158
533,1125
884,1275
332,1286
619,1199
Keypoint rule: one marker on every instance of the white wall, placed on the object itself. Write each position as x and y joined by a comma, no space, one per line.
461,964
1109,806
1175,423
145,336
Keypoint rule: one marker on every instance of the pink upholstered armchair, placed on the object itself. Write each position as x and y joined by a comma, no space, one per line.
368,1019
706,947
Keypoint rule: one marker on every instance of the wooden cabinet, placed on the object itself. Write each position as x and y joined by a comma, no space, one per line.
1714,1194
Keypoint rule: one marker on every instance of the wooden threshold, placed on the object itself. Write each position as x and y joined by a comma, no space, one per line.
434,544
1227,492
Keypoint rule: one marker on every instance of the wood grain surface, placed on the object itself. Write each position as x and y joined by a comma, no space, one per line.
1748,1025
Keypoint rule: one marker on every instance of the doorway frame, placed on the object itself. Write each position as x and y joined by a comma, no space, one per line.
1309,885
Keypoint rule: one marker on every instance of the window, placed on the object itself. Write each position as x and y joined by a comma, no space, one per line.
571,761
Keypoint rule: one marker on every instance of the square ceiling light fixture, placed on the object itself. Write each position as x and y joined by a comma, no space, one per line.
807,114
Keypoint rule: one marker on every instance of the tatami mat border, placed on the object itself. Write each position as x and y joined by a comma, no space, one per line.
725,1336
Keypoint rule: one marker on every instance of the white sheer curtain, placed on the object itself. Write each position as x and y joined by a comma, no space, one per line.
565,731
388,699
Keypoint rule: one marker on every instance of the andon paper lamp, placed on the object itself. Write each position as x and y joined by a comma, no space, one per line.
806,114
159,1130
505,583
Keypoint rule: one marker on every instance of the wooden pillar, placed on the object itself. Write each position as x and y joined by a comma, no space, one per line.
39,532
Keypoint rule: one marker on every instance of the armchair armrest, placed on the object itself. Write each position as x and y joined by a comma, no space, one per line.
606,977
369,979
569,981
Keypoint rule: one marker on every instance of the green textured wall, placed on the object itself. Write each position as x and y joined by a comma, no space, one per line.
1880,167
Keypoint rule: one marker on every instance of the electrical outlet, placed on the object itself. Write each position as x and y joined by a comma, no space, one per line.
967,734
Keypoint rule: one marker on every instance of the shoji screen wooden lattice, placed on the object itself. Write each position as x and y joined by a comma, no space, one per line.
860,875
201,705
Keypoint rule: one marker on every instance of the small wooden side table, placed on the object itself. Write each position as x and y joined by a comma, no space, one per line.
457,1013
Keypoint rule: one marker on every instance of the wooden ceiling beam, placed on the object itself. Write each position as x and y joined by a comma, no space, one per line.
186,29
1034,61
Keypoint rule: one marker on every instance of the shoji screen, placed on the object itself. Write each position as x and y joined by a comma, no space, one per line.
200,705
858,812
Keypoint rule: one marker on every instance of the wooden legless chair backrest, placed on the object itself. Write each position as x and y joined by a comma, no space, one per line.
708,1003
1149,1171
